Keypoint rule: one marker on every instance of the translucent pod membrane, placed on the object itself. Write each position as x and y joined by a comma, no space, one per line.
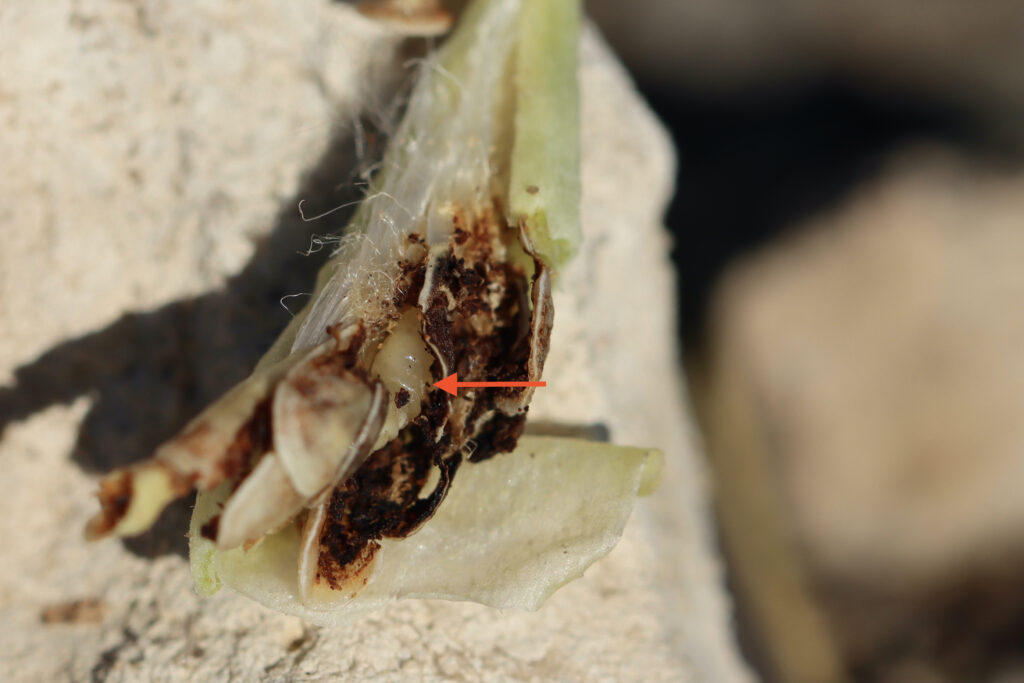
445,162
512,531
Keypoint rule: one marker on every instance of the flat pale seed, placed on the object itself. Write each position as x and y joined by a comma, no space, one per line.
263,502
317,414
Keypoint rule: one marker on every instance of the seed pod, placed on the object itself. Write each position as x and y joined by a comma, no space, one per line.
338,439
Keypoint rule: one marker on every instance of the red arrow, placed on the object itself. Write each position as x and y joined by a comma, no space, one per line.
451,384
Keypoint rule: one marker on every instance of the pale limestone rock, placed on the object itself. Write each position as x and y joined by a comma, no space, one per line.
864,387
886,358
146,146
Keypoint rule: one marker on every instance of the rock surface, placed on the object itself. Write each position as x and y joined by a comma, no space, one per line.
153,157
876,358
881,348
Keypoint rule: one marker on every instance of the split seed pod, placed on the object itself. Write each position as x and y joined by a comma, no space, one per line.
338,441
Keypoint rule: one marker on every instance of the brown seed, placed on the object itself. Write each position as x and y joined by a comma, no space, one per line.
412,17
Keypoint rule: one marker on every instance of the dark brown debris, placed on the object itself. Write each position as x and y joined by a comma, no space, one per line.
402,398
81,611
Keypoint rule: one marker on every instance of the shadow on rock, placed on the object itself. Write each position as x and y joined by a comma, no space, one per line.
149,373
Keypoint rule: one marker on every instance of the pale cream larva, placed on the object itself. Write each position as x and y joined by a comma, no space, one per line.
338,446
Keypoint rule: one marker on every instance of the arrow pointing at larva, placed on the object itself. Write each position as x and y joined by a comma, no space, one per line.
451,384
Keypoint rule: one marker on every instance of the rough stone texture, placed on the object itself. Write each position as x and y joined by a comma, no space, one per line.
152,159
124,145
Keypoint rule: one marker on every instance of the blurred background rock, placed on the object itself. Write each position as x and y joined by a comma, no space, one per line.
849,226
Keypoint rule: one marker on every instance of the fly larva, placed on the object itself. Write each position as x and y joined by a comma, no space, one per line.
446,268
